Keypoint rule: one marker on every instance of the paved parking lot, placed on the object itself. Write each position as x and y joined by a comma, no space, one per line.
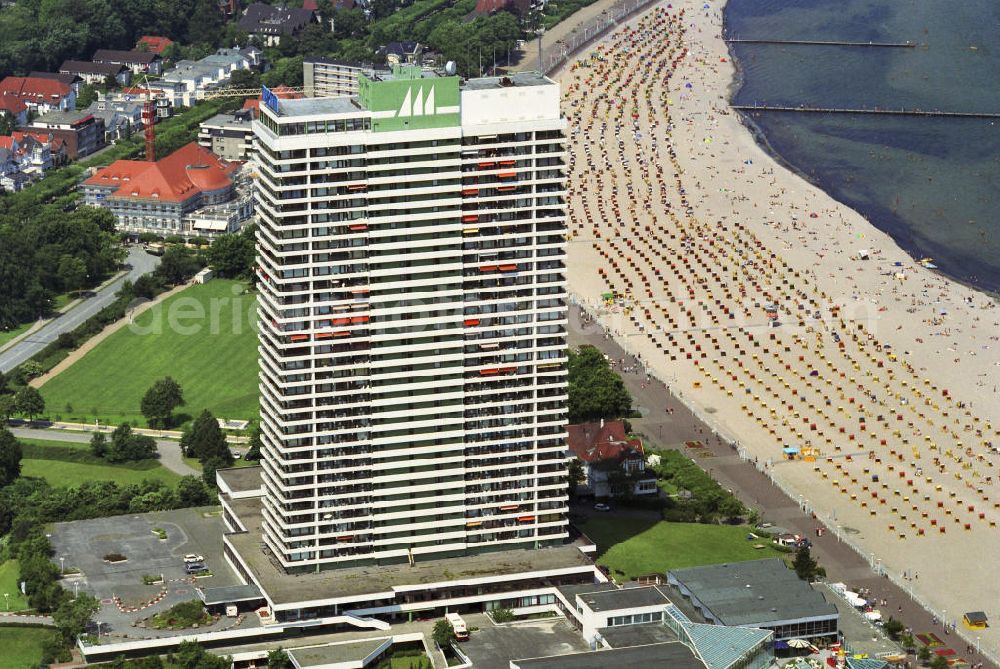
493,647
83,545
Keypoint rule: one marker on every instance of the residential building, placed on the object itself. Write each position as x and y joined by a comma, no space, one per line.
169,196
140,62
83,133
153,44
604,449
269,23
23,159
229,136
188,81
40,94
401,53
14,107
761,593
71,80
330,78
429,432
97,73
122,117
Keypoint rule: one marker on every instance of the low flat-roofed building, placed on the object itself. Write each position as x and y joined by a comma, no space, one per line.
674,655
759,593
605,605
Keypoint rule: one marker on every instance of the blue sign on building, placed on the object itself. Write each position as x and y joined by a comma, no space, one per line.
269,98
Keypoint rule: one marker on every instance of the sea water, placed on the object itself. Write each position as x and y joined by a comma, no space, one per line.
932,183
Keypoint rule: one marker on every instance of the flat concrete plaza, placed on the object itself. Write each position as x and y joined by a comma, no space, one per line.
83,544
494,646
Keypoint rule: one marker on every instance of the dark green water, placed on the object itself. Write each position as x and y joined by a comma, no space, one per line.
931,183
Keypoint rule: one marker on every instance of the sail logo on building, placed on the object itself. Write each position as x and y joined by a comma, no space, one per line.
417,105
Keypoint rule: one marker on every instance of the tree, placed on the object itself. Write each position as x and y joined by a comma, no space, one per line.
595,391
10,457
206,441
939,662
805,566
160,400
575,475
7,408
87,96
443,633
73,615
924,655
893,628
29,402
234,255
192,491
178,264
253,452
72,272
208,469
191,655
99,444
126,446
278,659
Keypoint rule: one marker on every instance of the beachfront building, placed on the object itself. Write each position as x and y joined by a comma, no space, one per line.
614,465
191,192
413,320
760,593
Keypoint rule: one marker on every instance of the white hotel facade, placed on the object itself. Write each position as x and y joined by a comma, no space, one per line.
412,321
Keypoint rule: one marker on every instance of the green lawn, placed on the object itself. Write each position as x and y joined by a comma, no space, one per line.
14,600
64,463
194,336
636,547
22,646
7,335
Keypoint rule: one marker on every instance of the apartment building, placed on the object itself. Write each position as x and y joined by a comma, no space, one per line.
412,321
330,78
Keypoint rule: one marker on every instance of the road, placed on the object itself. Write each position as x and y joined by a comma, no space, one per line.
170,451
667,423
139,263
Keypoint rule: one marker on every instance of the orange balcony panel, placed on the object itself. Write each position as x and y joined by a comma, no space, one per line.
487,268
488,372
525,519
299,337
470,218
471,322
508,268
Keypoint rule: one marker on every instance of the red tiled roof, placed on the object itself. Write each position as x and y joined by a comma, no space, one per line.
592,442
155,43
42,136
36,89
176,178
310,5
12,104
6,142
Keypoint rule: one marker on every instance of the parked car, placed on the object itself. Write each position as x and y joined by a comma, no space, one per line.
195,567
191,557
601,506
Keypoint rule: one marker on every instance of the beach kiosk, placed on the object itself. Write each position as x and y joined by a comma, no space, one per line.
975,620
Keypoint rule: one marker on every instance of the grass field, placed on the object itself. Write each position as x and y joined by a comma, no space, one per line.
203,337
7,335
64,463
22,646
633,547
14,600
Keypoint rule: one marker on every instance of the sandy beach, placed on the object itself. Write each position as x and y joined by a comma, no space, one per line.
745,289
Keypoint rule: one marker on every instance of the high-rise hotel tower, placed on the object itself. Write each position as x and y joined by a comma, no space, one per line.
412,320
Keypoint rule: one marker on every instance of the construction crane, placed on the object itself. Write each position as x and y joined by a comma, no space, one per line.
149,122
247,92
